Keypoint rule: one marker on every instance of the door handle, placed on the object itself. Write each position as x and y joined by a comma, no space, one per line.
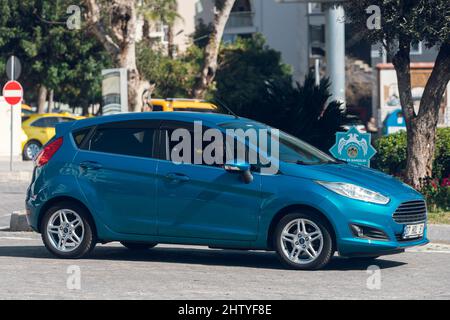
90,165
177,177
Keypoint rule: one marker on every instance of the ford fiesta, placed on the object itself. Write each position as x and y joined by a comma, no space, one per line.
114,178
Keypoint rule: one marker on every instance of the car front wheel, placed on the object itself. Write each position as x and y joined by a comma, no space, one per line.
303,241
68,231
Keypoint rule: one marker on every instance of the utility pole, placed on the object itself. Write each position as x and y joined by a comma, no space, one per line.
335,51
335,46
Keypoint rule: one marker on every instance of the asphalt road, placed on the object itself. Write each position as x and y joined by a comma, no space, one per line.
27,270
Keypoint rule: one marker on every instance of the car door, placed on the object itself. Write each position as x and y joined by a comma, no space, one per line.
117,175
201,201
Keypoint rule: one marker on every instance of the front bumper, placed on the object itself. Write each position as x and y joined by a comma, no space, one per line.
379,217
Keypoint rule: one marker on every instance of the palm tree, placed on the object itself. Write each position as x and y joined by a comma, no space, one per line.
164,12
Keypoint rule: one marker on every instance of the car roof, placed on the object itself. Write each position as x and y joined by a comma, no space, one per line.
43,115
209,118
185,103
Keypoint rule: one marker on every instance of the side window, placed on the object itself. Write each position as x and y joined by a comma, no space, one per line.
172,146
47,122
134,141
157,107
65,119
80,135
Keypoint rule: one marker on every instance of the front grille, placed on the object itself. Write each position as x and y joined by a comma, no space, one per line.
411,212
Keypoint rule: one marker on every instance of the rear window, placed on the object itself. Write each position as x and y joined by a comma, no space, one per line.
136,142
46,122
80,135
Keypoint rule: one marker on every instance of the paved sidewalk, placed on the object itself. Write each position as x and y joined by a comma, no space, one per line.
22,171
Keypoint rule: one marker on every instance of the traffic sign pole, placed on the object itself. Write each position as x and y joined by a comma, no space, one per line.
13,93
12,125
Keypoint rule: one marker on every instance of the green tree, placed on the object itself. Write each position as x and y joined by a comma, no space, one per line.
164,12
403,23
173,77
52,55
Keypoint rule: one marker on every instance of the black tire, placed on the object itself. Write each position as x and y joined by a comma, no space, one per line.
25,155
136,246
88,241
327,248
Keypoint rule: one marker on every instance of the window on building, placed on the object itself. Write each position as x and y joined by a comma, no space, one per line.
315,8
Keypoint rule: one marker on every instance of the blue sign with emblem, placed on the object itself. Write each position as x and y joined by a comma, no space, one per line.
354,147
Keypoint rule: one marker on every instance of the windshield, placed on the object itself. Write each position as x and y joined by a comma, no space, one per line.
291,149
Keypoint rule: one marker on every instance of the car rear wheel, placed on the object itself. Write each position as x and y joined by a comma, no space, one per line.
135,246
31,149
303,241
68,231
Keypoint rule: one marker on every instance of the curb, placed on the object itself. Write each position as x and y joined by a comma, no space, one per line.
19,222
439,233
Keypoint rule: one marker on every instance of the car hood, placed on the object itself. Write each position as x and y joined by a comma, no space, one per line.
358,175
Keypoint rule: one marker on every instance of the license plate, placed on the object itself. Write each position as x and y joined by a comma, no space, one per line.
413,231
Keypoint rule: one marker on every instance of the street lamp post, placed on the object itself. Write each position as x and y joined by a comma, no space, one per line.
335,46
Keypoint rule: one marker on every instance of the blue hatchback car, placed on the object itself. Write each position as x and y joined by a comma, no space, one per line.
113,178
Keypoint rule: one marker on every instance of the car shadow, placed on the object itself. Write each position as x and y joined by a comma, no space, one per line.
195,255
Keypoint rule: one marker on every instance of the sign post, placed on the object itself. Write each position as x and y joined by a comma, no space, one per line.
354,147
13,93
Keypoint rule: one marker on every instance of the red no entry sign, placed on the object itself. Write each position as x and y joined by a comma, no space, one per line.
13,92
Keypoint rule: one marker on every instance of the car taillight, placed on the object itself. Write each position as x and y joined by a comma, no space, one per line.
47,153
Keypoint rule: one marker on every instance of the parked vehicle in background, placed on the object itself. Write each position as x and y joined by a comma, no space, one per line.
184,105
27,110
39,129
115,179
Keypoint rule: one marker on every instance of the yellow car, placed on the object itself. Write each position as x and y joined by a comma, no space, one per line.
39,128
26,110
183,105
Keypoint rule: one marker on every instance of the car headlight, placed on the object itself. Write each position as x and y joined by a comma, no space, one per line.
355,192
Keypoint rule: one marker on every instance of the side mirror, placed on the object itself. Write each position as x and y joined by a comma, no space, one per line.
237,166
240,167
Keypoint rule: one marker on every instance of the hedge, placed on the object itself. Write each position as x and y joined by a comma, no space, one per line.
391,154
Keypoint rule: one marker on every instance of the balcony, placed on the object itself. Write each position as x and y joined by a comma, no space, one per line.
240,19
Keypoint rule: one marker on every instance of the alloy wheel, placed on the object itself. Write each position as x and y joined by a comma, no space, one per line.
65,230
302,241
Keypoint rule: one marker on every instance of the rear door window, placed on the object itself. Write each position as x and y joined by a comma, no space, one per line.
129,139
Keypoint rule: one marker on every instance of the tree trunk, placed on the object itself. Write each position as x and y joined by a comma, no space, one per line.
119,39
222,10
170,42
50,106
42,98
421,128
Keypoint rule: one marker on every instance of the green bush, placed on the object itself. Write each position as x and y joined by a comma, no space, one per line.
391,154
391,158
